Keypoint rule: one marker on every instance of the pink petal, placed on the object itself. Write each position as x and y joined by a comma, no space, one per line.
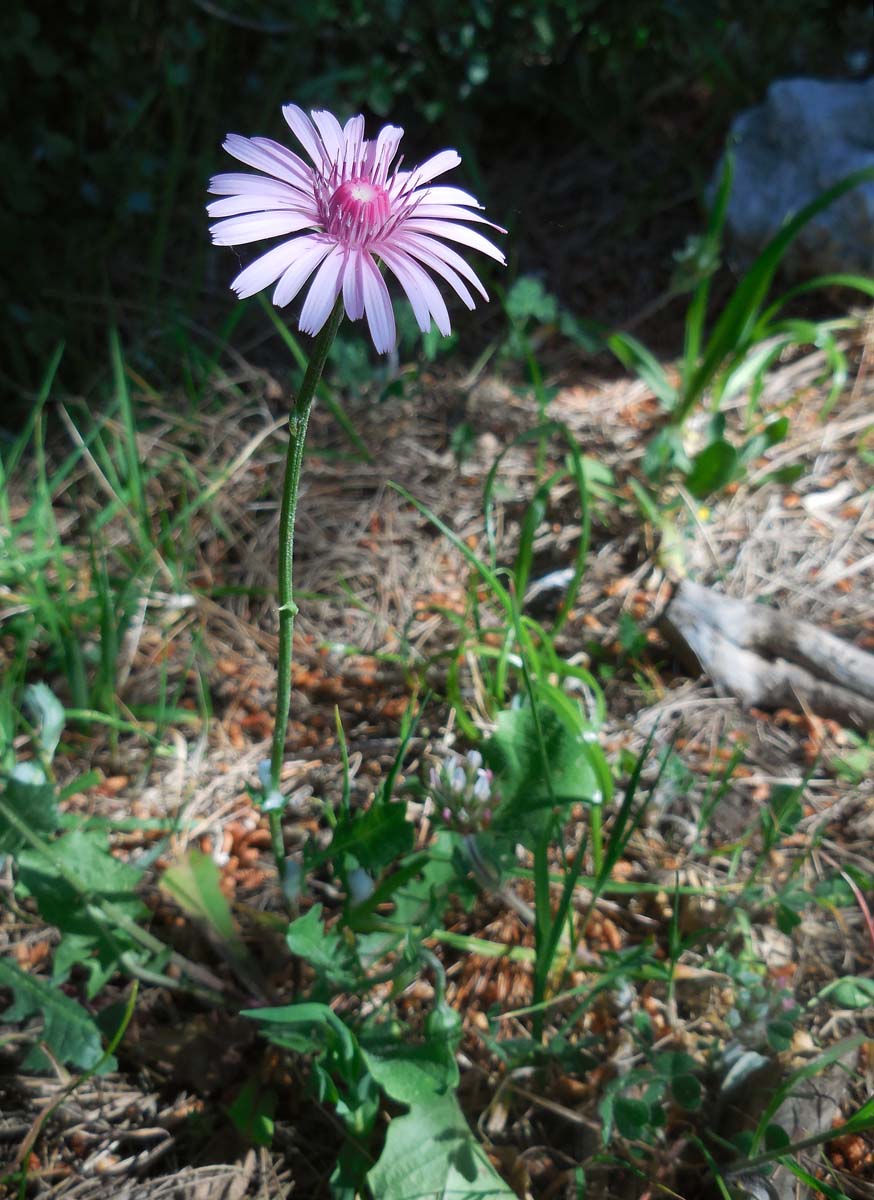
248,185
415,294
331,133
382,151
443,269
353,138
255,153
291,161
449,195
451,212
353,287
426,248
267,269
438,164
236,231
455,233
423,293
323,293
311,252
302,128
231,206
377,305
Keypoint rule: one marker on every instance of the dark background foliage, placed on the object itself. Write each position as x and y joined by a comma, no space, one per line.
580,122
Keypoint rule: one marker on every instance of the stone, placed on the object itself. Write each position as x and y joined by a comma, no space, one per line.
806,136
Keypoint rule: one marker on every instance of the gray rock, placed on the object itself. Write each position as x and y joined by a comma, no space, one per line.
806,136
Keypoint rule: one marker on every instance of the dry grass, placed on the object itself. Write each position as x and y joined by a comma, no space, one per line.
374,572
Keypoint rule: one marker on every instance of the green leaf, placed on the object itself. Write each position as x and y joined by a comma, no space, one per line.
712,469
738,320
49,716
664,452
431,1153
70,1034
307,1028
850,992
687,1092
635,356
30,796
780,1034
326,950
409,1074
631,1116
528,299
194,883
252,1112
674,1063
514,754
377,837
776,1137
88,941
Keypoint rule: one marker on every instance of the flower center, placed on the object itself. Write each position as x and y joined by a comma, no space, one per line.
357,210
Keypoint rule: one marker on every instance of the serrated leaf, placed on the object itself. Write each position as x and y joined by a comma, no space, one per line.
30,796
71,1035
325,950
49,716
515,755
87,941
377,838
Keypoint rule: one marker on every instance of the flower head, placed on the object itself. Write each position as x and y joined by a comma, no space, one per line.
352,207
463,792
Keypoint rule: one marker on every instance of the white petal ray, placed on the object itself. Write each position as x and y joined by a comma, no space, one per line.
231,206
254,153
438,164
291,161
419,245
442,268
448,195
323,292
331,133
422,291
302,128
240,184
450,212
353,138
377,305
353,287
312,251
236,231
267,269
456,233
384,149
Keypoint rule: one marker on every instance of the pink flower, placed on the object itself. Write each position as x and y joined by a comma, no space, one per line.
349,209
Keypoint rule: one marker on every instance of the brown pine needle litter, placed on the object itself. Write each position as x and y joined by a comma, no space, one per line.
378,585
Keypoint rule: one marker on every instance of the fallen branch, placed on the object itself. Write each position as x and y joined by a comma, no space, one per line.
767,659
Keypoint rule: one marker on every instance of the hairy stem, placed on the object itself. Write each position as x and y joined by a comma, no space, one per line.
297,429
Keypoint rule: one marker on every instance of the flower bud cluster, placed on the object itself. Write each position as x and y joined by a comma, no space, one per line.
463,793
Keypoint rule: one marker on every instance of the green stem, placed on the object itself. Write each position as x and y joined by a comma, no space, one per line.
297,429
